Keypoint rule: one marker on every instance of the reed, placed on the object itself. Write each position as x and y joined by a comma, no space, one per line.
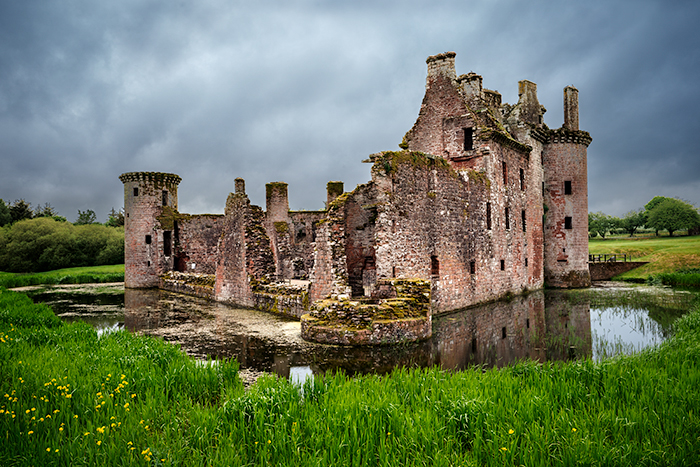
69,397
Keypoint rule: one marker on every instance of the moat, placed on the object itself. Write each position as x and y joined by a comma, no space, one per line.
544,325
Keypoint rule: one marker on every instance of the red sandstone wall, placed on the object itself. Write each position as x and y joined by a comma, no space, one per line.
566,250
198,238
144,262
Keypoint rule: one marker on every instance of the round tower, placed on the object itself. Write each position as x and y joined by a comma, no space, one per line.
566,200
148,249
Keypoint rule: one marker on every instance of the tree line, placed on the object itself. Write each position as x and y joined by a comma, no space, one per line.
661,213
35,240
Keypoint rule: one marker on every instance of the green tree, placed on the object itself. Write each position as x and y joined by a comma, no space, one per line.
600,223
5,216
86,217
632,221
20,210
115,219
672,215
45,211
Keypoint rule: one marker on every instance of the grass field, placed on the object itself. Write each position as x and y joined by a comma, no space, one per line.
665,254
94,274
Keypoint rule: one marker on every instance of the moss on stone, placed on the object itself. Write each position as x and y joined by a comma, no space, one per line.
479,177
335,189
275,188
281,227
169,216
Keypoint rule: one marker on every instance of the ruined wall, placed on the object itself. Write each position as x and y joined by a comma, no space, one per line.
244,254
197,238
148,249
433,224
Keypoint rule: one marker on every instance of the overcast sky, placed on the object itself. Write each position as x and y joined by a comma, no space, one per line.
303,91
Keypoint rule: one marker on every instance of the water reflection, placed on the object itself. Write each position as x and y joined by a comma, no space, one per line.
496,334
542,326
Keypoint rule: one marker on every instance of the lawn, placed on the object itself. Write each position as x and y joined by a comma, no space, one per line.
84,275
665,254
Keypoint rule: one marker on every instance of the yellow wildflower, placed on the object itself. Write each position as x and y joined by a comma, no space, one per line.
30,432
510,432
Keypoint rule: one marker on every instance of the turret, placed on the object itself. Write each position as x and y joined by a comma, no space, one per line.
566,200
148,248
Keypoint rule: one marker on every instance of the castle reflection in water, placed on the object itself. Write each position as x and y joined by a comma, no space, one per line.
535,326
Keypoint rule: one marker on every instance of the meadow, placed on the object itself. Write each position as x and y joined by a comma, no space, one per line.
666,255
69,396
80,275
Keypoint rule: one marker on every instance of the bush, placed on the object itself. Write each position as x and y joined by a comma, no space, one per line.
43,244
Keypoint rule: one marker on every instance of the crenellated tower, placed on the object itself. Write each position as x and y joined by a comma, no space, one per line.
566,200
148,246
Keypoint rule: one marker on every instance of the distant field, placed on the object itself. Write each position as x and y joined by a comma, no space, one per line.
665,254
84,275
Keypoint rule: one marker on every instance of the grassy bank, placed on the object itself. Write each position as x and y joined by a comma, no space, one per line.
69,397
665,254
84,275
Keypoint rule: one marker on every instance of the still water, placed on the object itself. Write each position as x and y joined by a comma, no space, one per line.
545,325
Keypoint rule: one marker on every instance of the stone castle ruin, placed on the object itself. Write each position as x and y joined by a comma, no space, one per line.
482,202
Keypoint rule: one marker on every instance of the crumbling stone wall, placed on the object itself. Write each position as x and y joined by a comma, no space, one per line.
197,239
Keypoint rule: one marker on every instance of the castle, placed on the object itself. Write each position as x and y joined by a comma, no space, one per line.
483,201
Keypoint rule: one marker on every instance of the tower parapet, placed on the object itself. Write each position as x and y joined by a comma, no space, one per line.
148,249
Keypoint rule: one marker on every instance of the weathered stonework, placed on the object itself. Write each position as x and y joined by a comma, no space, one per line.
483,202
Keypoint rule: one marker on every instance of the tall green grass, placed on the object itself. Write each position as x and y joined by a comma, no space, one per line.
686,277
122,399
82,275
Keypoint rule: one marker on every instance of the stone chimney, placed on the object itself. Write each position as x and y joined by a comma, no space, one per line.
333,190
442,65
240,186
530,108
277,204
571,108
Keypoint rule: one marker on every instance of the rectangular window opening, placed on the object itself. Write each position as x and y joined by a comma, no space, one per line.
507,218
567,187
567,223
472,267
473,344
522,179
468,139
527,323
148,239
136,191
165,198
524,221
434,266
525,262
167,243
504,334
503,265
488,216
505,173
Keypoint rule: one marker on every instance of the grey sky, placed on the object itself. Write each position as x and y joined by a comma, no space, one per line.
302,91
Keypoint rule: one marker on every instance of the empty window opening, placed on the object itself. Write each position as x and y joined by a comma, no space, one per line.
472,267
525,262
505,173
527,323
149,264
136,191
488,216
503,265
542,188
504,334
567,187
434,265
165,198
167,243
507,218
522,179
393,271
148,239
567,223
473,344
524,223
468,139
562,261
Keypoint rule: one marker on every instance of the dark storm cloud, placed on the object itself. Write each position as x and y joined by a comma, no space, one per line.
303,91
